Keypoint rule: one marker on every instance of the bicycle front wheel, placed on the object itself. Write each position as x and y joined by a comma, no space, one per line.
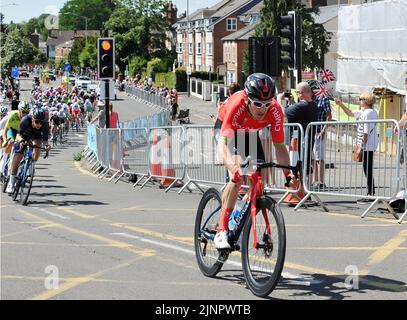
263,264
210,261
25,188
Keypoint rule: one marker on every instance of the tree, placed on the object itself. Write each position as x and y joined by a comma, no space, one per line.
315,39
16,51
38,24
136,26
73,13
88,56
77,48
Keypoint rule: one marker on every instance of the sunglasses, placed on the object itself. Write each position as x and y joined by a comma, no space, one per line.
38,121
261,104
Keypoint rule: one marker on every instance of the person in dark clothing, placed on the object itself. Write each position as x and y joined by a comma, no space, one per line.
15,101
303,112
174,109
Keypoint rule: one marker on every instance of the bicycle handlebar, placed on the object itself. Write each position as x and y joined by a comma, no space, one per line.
296,170
30,144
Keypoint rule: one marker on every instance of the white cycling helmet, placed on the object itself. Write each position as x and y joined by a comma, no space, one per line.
3,111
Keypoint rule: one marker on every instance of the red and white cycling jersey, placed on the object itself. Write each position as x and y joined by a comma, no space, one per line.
76,111
234,117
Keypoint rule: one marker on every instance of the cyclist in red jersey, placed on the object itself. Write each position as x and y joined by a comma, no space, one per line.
243,115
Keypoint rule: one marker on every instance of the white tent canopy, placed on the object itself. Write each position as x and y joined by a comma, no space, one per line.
372,46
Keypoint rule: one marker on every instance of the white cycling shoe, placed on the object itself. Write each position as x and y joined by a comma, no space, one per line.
221,240
10,188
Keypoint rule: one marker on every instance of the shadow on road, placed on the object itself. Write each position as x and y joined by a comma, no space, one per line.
66,203
317,285
333,287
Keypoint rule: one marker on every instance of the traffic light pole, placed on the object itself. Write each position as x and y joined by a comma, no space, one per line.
107,103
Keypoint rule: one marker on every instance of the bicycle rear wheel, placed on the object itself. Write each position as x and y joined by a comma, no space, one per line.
263,265
210,261
25,188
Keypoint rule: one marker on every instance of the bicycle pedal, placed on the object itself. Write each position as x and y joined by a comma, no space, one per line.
224,255
236,247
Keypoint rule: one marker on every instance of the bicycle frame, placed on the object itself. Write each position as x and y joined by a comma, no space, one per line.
256,192
25,161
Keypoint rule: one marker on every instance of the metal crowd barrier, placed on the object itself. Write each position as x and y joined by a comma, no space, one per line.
201,159
151,99
172,154
166,156
295,144
348,177
109,152
135,152
403,137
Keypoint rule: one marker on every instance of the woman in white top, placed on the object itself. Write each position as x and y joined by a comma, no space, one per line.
367,135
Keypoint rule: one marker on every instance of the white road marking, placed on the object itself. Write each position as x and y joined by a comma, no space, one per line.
305,280
51,213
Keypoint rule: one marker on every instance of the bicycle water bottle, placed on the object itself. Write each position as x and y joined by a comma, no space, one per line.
236,215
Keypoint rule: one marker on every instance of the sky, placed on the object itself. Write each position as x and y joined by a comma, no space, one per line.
24,10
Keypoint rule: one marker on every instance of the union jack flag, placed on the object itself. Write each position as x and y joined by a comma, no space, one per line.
321,93
326,76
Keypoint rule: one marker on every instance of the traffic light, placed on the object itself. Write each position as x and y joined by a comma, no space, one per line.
106,58
291,31
264,55
287,46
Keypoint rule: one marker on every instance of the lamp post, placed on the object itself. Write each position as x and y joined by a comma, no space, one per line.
188,67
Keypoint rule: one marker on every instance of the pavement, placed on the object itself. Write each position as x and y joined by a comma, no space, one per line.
81,237
200,110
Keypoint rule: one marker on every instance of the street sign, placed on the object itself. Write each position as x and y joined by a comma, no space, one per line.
189,70
103,91
67,67
14,72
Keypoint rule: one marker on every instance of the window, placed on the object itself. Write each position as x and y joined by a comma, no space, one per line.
231,24
198,48
179,47
191,49
209,49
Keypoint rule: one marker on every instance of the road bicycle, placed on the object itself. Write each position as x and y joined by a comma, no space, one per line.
260,233
25,173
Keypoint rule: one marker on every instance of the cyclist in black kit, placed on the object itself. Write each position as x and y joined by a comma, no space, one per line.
33,127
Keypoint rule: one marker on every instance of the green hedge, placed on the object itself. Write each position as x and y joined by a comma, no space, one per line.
181,78
165,79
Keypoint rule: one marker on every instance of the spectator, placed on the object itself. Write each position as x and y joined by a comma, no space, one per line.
403,121
100,117
303,112
367,136
114,118
233,87
174,109
324,114
15,101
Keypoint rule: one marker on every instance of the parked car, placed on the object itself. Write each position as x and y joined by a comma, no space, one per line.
24,73
52,76
83,82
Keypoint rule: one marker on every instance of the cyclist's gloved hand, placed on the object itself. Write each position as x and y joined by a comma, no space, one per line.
236,175
5,143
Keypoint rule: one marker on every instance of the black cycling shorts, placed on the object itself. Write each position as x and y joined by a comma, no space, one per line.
243,144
